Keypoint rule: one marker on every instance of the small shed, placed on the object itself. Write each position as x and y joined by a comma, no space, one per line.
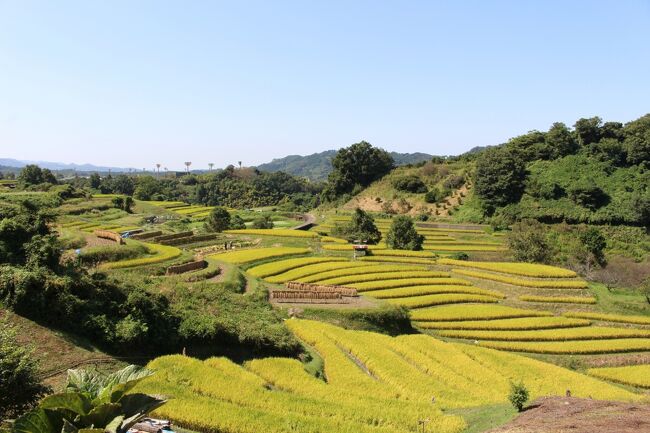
360,250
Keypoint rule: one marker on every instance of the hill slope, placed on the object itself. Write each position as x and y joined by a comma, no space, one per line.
318,165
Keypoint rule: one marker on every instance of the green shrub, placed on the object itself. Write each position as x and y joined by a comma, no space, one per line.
403,234
518,395
218,220
361,228
409,183
20,388
263,222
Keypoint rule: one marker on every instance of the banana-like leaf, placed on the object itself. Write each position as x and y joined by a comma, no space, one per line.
87,381
68,402
38,421
101,415
90,430
121,382
68,427
133,404
114,425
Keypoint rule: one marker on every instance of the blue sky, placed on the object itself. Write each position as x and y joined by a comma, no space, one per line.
133,83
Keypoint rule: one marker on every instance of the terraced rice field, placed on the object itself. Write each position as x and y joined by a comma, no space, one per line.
255,254
161,253
559,299
473,312
280,266
565,334
375,384
274,232
523,323
620,345
619,318
543,283
301,273
633,375
521,269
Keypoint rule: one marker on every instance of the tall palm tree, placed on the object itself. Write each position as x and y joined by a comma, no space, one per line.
210,164
187,166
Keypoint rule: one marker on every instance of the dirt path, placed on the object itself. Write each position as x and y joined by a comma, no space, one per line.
578,415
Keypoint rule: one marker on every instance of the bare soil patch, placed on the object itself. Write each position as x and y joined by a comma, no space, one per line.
578,415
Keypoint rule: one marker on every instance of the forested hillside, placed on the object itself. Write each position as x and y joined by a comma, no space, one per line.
594,173
318,166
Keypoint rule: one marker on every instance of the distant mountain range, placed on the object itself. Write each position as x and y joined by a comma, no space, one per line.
318,165
315,166
15,163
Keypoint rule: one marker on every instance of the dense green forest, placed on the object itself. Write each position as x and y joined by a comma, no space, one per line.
595,173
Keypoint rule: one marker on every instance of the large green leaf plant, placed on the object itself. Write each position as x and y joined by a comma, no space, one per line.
92,403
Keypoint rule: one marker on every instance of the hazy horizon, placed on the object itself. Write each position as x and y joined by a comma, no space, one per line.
134,84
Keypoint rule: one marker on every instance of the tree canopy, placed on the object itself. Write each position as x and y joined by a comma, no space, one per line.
357,166
361,228
403,235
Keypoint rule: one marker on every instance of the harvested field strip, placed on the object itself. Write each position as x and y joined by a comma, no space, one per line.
411,260
406,282
559,299
622,345
298,274
567,334
620,318
280,266
162,253
523,269
441,299
382,275
251,255
634,375
404,292
473,312
363,271
516,281
524,323
274,232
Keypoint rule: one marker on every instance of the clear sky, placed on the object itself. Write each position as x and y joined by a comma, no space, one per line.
133,83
